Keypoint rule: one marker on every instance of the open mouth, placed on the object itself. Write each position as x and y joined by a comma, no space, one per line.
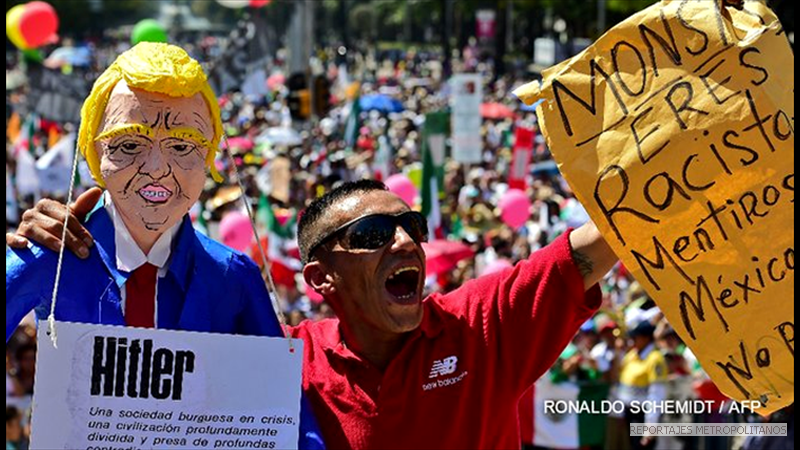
155,193
403,284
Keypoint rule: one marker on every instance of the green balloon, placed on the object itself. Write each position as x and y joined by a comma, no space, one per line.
148,30
33,54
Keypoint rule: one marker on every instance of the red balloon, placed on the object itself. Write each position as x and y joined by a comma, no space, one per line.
259,3
38,24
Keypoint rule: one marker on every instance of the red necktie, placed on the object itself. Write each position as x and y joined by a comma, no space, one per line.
140,303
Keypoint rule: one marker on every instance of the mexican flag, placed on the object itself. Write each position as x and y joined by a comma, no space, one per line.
434,136
281,244
382,163
353,124
26,175
281,228
544,427
26,137
198,216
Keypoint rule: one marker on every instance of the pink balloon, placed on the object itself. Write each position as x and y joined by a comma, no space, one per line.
38,24
514,208
235,231
402,187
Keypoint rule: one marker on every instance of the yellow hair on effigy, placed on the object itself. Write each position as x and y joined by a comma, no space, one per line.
152,67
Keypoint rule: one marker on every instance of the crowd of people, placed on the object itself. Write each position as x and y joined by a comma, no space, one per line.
625,352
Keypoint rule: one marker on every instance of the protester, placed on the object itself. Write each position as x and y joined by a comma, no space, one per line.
643,376
393,362
149,127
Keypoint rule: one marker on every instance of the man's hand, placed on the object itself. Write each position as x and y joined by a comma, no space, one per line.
44,225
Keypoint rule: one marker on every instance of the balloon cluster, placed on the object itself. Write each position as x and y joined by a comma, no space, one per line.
32,25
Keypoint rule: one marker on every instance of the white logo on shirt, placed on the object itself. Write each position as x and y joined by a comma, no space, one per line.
444,366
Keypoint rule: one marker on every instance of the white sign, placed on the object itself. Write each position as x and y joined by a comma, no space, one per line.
12,215
55,166
436,143
544,51
136,389
466,104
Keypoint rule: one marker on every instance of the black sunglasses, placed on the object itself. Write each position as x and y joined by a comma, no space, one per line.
376,230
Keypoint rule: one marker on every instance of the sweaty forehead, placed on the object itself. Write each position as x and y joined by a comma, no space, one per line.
135,106
362,204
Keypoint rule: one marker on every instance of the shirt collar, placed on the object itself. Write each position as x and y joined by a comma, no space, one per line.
646,351
129,256
334,345
432,316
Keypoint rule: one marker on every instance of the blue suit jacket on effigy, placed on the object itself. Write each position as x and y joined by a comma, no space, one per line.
208,287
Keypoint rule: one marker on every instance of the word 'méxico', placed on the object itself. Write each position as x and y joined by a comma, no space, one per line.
136,370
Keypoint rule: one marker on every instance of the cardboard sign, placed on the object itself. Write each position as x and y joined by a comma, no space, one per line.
135,388
676,131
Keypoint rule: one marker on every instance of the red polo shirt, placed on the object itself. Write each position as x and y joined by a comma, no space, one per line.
458,378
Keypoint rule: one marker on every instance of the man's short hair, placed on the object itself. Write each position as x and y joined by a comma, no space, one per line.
308,234
152,67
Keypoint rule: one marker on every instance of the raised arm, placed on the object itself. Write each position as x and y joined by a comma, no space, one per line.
591,253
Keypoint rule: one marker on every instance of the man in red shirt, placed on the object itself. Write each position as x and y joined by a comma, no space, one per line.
394,371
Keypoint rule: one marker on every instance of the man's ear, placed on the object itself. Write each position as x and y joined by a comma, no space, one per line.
317,278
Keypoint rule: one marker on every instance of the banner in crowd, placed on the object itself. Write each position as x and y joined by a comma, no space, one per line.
26,175
521,158
485,24
467,91
121,387
54,168
242,60
56,96
676,131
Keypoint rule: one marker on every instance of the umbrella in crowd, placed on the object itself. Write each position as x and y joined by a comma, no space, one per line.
73,56
531,108
442,255
496,111
545,168
380,102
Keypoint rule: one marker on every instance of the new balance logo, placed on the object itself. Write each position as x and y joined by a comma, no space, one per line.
444,366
